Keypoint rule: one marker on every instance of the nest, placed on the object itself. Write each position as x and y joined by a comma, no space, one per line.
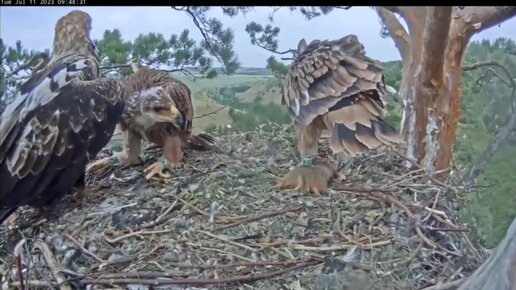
216,223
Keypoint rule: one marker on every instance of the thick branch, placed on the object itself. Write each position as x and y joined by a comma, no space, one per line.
45,58
414,16
476,19
397,32
435,40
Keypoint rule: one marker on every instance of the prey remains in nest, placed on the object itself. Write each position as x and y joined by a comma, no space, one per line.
312,176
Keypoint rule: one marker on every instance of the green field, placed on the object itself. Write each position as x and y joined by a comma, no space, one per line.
202,89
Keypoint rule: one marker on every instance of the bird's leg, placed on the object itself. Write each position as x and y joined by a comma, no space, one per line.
344,161
308,139
171,159
130,155
132,149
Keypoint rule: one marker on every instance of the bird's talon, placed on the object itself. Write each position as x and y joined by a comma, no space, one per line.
99,165
155,169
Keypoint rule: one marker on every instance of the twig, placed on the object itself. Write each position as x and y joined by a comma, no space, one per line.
365,188
398,203
227,280
411,257
315,240
161,217
256,218
83,249
52,264
137,233
19,266
210,113
130,258
201,212
34,283
228,241
447,285
429,175
200,266
340,247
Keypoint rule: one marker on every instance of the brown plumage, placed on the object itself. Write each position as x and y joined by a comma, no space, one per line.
312,178
61,118
159,110
333,85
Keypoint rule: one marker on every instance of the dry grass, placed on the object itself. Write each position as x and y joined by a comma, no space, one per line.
217,223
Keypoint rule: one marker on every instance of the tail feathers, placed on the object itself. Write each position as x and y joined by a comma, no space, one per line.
363,137
201,142
5,213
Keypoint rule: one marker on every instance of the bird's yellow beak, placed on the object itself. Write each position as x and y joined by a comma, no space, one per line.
174,117
174,112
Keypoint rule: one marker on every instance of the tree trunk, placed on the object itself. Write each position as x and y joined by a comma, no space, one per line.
498,272
432,76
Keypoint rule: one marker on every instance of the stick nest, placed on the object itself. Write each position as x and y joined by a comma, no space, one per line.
216,223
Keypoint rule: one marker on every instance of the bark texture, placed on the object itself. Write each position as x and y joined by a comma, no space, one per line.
432,74
498,272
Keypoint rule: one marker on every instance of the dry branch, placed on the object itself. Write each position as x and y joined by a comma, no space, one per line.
474,19
256,218
52,264
230,280
397,32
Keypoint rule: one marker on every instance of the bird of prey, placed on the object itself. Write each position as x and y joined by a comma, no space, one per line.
61,118
158,109
333,85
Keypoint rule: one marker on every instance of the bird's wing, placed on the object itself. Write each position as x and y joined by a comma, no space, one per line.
327,72
61,119
181,95
335,79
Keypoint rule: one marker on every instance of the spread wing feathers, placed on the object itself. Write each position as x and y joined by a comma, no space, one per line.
146,78
52,130
326,72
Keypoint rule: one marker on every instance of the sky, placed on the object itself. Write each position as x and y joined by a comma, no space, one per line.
35,27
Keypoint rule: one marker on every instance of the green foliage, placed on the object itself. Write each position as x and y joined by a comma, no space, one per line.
486,109
249,116
11,58
216,40
211,128
264,37
179,52
278,69
114,50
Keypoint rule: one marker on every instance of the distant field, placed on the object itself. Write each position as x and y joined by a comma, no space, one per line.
260,85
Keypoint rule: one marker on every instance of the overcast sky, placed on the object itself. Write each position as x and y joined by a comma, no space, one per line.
35,27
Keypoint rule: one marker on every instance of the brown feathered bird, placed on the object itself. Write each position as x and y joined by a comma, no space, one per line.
61,118
333,85
159,110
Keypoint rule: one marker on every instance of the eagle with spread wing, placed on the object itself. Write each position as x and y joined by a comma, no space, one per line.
61,118
158,109
333,85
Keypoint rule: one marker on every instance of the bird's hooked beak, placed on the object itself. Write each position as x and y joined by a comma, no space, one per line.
174,117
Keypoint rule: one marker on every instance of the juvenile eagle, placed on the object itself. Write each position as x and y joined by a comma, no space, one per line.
61,118
333,85
158,109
